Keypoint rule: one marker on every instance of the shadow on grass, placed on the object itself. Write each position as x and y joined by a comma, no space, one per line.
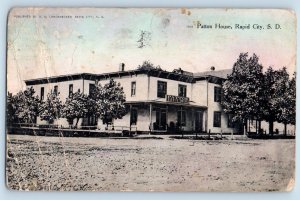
199,137
272,137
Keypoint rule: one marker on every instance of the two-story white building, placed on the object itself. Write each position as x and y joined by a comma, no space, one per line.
157,100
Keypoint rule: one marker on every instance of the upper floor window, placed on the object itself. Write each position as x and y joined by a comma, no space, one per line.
217,119
161,89
70,90
218,94
55,90
92,88
133,88
182,90
42,93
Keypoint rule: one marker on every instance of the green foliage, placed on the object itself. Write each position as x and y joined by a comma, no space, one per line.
110,100
22,107
75,107
292,102
11,108
147,65
280,97
277,95
243,90
50,110
250,94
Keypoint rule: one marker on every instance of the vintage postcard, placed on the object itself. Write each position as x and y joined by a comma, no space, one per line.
151,99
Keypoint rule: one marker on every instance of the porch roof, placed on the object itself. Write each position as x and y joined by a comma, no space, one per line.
147,102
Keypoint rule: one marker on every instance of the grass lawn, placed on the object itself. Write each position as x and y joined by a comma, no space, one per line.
106,164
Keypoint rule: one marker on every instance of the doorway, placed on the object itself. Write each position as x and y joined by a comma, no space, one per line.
161,119
199,121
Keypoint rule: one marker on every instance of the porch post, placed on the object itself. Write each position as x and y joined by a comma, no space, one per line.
150,115
193,119
167,112
130,119
206,120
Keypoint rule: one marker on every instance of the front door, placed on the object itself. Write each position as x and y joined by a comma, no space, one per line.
161,119
199,121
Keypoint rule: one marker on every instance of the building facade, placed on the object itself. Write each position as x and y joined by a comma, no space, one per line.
157,100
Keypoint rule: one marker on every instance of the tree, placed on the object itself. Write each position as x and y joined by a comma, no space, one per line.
22,107
11,109
75,107
147,65
276,94
292,94
50,110
243,90
281,98
110,100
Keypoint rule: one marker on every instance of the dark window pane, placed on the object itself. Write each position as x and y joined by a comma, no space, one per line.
217,119
42,93
182,90
230,122
181,118
92,88
56,89
161,89
70,90
133,116
133,88
217,94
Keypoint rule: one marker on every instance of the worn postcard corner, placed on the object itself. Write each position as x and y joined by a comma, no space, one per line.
151,99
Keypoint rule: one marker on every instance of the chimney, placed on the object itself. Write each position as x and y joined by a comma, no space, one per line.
121,67
212,68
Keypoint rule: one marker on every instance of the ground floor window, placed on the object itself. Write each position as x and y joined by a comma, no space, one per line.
161,119
89,121
198,121
181,118
133,116
107,120
230,121
217,119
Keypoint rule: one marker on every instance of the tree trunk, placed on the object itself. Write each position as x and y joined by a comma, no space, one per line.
259,127
77,122
285,129
245,127
271,127
256,128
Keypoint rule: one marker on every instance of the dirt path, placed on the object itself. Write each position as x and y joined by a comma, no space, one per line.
102,164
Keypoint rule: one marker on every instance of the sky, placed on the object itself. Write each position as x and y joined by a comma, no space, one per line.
45,42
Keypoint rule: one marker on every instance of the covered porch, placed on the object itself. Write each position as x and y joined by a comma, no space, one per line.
168,117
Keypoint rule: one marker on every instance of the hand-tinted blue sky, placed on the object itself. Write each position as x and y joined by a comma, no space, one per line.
40,47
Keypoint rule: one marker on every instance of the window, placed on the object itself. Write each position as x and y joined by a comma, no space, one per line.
230,122
133,116
218,94
106,121
42,93
55,90
217,119
161,89
70,90
181,118
182,90
133,88
92,88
